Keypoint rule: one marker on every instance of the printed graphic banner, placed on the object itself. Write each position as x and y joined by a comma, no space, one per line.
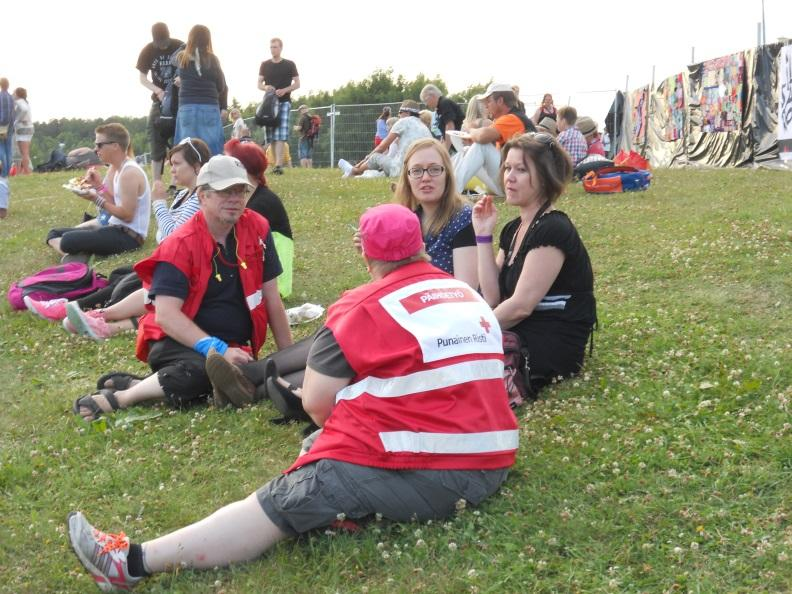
785,103
639,101
721,94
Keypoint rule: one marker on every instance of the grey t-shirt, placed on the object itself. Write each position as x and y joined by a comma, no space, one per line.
325,355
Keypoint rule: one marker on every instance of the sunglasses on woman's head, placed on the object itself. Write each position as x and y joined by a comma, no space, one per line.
188,140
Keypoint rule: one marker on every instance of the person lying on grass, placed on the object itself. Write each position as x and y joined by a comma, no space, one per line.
413,418
213,283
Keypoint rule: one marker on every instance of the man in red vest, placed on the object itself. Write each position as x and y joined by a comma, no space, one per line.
406,381
212,285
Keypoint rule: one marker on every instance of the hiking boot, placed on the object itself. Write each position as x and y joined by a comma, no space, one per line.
93,326
229,380
53,310
104,555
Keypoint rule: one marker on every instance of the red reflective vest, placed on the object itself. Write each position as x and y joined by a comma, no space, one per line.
428,387
190,249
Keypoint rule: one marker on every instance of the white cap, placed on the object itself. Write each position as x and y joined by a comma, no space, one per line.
221,172
497,88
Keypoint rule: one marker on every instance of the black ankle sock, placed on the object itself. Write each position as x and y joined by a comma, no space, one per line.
135,561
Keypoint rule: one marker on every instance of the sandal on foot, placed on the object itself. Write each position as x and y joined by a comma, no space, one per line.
90,403
238,389
121,380
286,401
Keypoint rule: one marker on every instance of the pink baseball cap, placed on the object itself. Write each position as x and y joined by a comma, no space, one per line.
390,232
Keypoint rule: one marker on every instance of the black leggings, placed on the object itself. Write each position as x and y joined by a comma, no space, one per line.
123,282
290,362
102,241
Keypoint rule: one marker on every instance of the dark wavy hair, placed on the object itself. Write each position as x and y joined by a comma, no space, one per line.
552,163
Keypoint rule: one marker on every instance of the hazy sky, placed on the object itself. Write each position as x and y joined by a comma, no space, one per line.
77,59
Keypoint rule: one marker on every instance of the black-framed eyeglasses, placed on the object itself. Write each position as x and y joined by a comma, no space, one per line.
188,140
98,145
432,170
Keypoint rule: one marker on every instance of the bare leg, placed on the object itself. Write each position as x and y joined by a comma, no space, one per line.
55,245
148,389
237,532
131,306
24,151
358,169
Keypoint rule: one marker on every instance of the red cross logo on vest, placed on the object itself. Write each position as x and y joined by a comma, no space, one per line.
484,324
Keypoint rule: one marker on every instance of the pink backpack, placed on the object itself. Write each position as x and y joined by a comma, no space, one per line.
69,281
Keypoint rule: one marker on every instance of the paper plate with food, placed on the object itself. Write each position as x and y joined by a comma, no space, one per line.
78,185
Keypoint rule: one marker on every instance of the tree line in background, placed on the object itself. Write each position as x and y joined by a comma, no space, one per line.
382,86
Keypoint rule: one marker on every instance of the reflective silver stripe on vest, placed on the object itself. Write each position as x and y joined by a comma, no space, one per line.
423,381
450,443
253,300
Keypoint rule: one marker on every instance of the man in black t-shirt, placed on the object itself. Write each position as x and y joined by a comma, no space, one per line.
156,58
449,114
279,75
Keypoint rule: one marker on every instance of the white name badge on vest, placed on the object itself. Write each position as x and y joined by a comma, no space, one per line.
446,317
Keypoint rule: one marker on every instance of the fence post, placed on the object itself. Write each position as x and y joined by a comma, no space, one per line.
332,115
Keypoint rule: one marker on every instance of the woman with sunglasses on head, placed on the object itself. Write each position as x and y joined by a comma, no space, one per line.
540,284
427,187
122,301
203,93
186,160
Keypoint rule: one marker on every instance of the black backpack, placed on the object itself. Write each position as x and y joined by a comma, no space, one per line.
268,111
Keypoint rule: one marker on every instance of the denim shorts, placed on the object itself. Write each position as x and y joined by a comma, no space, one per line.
305,148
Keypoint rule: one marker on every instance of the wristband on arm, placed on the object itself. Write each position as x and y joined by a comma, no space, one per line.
210,342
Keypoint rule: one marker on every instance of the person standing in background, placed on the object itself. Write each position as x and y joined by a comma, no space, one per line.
203,93
156,58
382,126
305,127
23,129
279,75
6,142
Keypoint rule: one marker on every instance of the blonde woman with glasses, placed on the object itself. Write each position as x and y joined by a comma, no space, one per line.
427,187
539,281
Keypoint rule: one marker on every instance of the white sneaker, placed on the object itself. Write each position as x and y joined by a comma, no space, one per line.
345,166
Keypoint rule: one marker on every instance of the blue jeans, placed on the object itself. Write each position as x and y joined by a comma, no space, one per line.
200,121
7,152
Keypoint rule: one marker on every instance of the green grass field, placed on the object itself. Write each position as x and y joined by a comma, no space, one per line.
665,467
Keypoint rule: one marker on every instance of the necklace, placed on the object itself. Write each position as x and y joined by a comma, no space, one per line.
535,220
